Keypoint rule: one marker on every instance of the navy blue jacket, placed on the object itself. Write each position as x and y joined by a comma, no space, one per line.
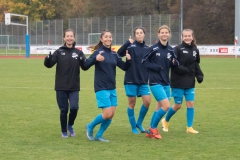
105,71
68,62
184,75
137,73
158,59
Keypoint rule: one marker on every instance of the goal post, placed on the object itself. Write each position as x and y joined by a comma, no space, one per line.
93,38
9,41
9,22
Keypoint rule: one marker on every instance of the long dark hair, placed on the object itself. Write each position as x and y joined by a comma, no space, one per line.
100,42
143,29
194,41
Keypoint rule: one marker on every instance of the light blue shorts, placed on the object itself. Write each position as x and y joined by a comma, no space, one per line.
106,98
178,94
160,92
133,90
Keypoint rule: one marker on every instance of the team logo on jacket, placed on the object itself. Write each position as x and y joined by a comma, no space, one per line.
169,56
133,45
74,55
194,53
62,53
157,54
156,48
185,51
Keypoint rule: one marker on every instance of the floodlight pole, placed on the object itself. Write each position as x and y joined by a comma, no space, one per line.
181,14
181,20
27,40
27,35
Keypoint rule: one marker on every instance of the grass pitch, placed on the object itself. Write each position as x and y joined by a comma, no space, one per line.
30,129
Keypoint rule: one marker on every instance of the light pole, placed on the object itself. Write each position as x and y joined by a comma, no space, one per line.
181,14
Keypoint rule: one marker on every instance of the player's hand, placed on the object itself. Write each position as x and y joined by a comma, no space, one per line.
50,55
99,57
130,39
200,80
128,55
175,62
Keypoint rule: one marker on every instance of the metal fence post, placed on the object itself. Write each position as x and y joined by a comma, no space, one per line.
150,17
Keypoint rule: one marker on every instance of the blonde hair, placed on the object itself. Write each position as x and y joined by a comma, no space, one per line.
164,27
194,41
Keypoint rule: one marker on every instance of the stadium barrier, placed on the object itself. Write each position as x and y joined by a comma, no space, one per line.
203,49
46,49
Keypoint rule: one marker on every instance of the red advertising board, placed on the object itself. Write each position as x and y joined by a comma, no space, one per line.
223,50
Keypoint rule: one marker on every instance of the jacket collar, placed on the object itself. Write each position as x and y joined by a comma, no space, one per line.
187,45
106,49
73,46
160,44
138,43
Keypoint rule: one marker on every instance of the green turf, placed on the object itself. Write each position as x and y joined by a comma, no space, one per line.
30,129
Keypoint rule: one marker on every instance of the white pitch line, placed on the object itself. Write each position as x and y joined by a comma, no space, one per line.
220,88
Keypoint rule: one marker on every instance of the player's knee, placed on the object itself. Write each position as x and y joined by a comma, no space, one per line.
190,104
146,103
63,112
74,107
108,115
177,106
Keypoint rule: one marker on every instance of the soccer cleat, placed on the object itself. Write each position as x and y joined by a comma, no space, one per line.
101,139
140,127
149,134
64,135
155,133
191,130
89,133
135,131
164,125
70,129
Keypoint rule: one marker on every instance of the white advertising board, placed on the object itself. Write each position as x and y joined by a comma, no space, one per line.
219,50
203,49
47,49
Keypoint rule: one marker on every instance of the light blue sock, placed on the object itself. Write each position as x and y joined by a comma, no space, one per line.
170,113
131,117
190,116
104,125
160,113
98,119
153,117
142,114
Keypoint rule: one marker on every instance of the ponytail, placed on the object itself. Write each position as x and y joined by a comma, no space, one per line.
99,44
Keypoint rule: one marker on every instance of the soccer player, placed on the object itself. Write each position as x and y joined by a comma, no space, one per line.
183,79
67,80
159,58
105,61
136,79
